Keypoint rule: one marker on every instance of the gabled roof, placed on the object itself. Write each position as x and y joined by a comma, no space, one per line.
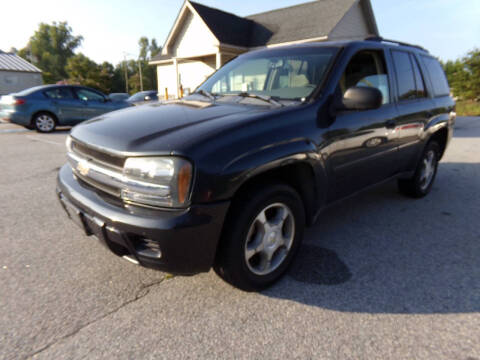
304,21
12,62
311,20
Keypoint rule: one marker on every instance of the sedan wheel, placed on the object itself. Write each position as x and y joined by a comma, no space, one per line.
44,123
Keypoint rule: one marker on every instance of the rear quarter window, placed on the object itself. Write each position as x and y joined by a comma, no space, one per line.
437,76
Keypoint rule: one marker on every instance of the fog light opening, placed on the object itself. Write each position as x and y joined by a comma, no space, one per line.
148,248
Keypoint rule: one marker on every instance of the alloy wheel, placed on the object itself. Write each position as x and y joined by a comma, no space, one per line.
269,239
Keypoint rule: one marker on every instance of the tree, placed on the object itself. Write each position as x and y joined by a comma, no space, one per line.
84,71
147,50
464,75
50,48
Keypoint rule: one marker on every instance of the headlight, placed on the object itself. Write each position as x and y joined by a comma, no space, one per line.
157,181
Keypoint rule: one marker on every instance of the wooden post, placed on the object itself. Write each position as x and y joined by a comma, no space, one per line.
166,93
219,60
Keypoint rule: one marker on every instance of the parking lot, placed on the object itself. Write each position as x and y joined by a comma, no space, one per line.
380,276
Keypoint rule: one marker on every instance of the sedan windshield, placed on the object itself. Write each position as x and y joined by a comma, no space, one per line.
284,74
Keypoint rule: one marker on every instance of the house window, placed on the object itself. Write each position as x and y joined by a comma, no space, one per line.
11,79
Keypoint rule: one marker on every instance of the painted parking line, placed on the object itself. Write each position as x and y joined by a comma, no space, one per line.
35,138
9,131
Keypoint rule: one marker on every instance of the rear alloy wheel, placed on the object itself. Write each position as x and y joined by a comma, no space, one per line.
421,183
44,123
262,234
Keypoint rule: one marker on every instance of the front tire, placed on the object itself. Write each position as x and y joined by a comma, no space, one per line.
44,122
261,236
422,181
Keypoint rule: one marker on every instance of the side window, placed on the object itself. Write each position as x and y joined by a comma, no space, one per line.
367,68
421,93
87,95
437,76
407,89
59,93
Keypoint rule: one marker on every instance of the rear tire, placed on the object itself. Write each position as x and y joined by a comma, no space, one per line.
422,181
262,233
44,122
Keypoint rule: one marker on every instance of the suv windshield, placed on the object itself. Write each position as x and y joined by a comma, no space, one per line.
284,74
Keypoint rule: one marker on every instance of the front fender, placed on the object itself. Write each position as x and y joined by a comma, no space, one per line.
258,162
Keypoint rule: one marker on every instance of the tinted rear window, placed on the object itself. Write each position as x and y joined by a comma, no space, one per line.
59,93
405,75
437,76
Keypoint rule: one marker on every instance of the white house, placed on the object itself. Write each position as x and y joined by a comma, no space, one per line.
17,74
203,39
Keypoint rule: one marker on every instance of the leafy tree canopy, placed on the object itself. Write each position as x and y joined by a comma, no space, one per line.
49,49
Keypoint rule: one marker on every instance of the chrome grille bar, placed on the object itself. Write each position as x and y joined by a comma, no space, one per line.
109,180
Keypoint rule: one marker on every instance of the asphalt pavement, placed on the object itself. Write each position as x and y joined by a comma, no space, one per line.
380,276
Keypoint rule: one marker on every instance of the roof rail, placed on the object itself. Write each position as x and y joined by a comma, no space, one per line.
381,39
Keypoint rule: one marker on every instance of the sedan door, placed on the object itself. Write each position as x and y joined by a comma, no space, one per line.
95,103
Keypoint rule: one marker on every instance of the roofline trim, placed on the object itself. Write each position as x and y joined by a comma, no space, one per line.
22,71
186,5
370,15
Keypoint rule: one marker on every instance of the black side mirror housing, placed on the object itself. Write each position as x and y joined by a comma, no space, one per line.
361,98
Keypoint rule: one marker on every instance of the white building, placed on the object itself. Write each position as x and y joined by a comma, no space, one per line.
17,74
203,39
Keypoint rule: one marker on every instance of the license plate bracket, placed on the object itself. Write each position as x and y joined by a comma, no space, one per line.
74,214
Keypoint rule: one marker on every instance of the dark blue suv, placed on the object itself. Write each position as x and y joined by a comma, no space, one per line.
45,107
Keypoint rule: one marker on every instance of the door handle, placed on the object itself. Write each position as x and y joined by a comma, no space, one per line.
390,124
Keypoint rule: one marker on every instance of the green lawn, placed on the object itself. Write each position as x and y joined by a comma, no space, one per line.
468,108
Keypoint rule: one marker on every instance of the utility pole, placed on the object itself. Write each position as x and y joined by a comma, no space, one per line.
126,73
141,77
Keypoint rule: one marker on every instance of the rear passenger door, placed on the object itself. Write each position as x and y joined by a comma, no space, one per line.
414,106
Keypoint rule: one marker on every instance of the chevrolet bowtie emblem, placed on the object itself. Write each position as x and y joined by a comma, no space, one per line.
83,168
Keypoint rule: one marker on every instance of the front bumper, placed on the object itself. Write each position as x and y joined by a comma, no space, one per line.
186,239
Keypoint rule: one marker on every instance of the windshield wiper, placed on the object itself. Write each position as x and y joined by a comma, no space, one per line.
266,98
206,94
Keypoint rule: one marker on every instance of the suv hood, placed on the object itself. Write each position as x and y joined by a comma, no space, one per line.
162,127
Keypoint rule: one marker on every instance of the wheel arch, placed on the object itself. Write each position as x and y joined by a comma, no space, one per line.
440,136
300,176
49,112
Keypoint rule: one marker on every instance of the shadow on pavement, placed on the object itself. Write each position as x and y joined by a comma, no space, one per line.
380,252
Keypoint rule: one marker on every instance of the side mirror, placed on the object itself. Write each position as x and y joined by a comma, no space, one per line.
362,98
147,98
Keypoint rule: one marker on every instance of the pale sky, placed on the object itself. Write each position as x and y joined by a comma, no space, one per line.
110,28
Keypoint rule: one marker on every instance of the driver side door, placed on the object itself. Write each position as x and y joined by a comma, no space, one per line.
95,104
362,146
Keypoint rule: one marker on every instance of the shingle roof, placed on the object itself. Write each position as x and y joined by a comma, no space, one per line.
304,21
12,62
227,28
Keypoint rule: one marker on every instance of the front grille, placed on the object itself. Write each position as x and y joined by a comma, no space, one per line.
98,185
96,155
98,169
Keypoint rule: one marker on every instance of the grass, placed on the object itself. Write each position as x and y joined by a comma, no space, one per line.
468,108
